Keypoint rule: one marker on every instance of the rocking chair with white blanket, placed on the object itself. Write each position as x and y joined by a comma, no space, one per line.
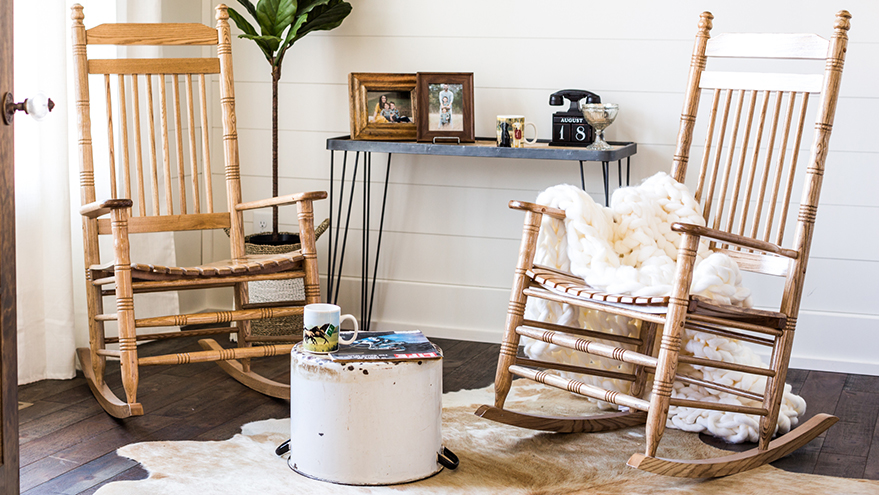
737,215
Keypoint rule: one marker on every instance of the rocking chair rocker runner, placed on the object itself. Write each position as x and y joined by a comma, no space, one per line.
155,200
756,248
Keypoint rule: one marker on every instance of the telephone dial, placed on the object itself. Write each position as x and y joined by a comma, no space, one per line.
569,128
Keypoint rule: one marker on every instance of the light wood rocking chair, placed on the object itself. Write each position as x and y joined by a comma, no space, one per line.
731,164
121,278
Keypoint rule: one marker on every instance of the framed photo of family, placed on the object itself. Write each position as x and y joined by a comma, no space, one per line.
382,106
445,100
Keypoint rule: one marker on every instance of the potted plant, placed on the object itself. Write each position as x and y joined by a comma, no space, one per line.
281,24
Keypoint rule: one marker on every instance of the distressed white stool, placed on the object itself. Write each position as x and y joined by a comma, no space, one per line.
365,423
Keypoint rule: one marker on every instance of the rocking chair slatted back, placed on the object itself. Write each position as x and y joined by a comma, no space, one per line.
165,198
181,197
755,125
769,188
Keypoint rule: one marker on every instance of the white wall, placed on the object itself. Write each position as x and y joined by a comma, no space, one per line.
450,242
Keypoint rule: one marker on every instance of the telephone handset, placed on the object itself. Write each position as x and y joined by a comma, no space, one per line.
569,128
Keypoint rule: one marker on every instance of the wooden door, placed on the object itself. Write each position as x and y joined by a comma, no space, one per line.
8,353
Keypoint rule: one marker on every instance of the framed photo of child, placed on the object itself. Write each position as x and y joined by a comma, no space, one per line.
446,100
383,106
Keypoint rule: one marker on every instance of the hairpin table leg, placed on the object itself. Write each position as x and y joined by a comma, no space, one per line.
341,251
582,177
628,169
605,173
378,247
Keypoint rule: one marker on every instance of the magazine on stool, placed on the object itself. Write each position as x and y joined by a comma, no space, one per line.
387,346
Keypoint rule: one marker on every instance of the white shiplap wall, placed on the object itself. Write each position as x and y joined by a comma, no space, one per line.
450,242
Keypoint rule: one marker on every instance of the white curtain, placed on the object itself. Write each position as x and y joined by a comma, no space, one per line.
52,316
42,206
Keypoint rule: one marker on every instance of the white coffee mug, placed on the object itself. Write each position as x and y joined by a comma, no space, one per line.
511,131
321,332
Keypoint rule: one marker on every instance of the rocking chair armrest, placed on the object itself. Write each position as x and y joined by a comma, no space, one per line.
98,208
282,200
739,240
536,208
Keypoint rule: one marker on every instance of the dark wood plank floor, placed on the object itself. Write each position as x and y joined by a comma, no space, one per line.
68,443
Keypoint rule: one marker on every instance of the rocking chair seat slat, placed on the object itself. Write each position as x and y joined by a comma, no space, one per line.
567,284
251,265
570,284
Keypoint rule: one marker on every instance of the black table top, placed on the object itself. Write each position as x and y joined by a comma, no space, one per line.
486,147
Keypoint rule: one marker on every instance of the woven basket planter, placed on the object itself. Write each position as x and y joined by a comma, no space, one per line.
274,291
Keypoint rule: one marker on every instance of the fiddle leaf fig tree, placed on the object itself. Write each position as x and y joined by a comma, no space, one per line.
281,24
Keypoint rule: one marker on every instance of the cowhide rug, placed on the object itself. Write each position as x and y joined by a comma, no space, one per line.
495,459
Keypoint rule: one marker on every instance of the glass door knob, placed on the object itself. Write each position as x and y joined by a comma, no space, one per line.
38,106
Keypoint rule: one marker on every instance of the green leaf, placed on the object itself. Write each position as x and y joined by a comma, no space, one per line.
288,40
269,43
247,4
324,18
249,31
275,16
241,22
306,6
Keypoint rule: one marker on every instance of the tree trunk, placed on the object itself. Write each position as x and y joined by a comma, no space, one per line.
276,77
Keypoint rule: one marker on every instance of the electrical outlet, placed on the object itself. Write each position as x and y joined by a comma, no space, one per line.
262,221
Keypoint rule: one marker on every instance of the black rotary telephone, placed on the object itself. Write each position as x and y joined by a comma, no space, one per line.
569,128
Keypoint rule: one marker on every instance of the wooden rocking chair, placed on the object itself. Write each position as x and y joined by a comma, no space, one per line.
136,205
756,248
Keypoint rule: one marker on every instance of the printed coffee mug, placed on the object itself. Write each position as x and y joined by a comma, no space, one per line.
511,131
321,332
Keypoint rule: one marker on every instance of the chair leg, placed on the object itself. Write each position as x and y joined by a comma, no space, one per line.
648,338
92,363
503,379
670,344
774,392
125,305
242,297
309,251
128,355
106,398
662,386
96,331
516,309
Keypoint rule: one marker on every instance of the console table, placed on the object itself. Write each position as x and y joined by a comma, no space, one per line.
483,147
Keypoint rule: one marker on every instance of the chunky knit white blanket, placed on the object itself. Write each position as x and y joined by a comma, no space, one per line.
629,248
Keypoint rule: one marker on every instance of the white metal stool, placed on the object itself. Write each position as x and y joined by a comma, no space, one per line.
366,423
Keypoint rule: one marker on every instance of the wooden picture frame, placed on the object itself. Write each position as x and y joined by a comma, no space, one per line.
453,125
366,90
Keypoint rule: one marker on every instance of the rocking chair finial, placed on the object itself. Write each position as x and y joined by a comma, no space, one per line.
705,24
843,21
